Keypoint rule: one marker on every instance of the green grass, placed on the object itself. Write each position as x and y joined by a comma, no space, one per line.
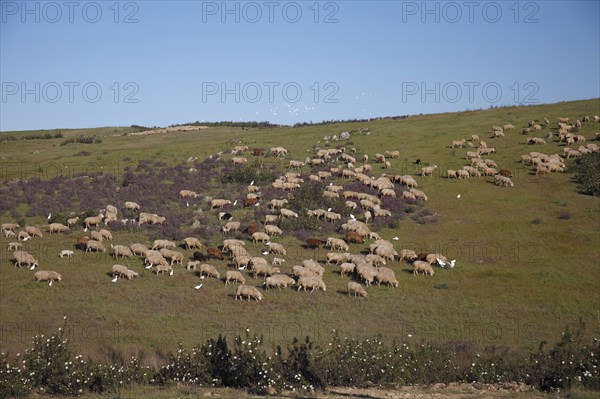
516,282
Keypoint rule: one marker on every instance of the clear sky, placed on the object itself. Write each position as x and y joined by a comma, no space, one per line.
68,64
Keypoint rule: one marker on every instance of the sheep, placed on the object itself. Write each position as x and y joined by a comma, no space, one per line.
277,261
264,269
249,292
366,272
458,143
392,154
188,194
138,249
313,266
301,271
192,265
21,257
368,216
47,275
122,251
428,170
278,151
277,249
286,213
214,253
66,252
93,221
132,206
33,231
219,203
94,245
158,244
386,276
451,174
351,205
351,237
314,283
260,236
387,192
120,270
106,235
419,194
278,281
375,260
407,254
235,276
356,289
337,244
347,267
239,160
13,246
162,269
9,233
503,181
9,227
58,228
111,209
337,257
508,127
23,235
421,266
95,235
192,242
209,270
536,140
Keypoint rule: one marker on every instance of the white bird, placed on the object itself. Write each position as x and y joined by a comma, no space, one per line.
50,283
241,267
85,228
352,217
148,267
440,262
265,253
452,262
257,204
395,238
235,203
458,196
329,210
330,184
198,287
33,266
252,183
26,238
171,272
49,216
202,277
187,203
114,280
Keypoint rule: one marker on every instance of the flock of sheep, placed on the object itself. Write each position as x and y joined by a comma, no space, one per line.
162,255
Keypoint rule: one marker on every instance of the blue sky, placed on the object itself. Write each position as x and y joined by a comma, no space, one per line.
156,63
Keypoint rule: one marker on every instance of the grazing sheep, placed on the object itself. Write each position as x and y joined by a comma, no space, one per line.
313,266
192,242
271,230
106,235
276,249
13,246
158,244
337,244
239,160
23,235
8,233
162,269
278,281
386,276
366,272
286,213
132,206
138,249
94,245
351,237
356,289
458,143
95,235
421,266
209,270
249,292
66,252
337,257
214,253
419,194
314,283
21,257
192,265
451,174
407,254
47,275
277,261
122,251
347,268
120,270
33,231
428,170
503,181
188,194
260,236
58,228
508,127
93,221
536,140
9,226
235,276
219,203
313,243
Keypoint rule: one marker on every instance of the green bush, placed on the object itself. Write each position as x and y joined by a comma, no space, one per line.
587,173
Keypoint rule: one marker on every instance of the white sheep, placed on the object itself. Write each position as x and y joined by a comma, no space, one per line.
66,252
33,231
47,275
132,206
260,236
356,289
158,244
138,249
278,281
235,276
272,230
95,246
347,268
421,266
249,292
428,170
209,270
386,275
21,257
313,266
219,203
13,246
286,213
58,228
122,251
231,226
192,242
314,283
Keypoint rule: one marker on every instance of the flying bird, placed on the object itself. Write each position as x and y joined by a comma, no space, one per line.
198,287
114,280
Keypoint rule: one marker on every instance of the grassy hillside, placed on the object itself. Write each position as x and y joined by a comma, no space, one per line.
528,257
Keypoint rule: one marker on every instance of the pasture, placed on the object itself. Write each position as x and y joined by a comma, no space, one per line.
528,256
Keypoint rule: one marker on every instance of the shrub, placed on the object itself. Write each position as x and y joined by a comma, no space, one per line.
587,173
